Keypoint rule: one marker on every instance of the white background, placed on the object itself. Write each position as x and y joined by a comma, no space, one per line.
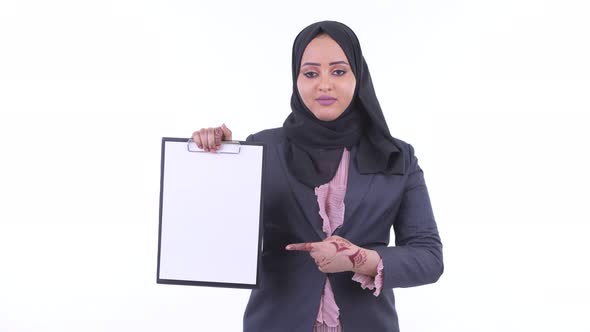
493,95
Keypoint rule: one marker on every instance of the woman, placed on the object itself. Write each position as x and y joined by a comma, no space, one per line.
336,181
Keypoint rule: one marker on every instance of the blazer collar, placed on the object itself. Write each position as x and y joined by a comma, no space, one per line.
304,195
356,189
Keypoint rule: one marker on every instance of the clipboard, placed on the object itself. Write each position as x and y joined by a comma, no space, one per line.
210,223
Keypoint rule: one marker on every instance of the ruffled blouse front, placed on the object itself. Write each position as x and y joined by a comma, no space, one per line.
330,197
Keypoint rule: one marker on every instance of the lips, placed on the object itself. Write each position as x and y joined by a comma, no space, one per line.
326,100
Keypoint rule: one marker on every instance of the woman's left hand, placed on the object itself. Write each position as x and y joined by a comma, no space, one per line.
337,254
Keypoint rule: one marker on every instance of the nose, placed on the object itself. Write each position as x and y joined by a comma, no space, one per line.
325,83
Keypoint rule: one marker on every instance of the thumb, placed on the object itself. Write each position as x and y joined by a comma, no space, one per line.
226,132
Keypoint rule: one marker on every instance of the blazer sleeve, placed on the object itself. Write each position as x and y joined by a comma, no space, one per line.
417,256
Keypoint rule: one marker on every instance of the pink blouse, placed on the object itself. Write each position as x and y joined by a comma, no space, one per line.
331,202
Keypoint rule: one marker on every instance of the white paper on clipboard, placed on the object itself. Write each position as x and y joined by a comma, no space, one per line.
210,214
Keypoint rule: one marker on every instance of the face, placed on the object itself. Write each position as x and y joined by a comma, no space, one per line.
325,82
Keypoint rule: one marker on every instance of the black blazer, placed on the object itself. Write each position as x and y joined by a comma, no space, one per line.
290,282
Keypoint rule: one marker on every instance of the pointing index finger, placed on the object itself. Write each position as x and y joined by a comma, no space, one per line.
308,246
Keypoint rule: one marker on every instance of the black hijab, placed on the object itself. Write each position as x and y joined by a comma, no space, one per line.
314,147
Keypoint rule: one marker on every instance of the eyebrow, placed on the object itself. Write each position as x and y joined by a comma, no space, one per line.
331,63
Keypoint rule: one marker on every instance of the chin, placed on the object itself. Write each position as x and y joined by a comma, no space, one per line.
326,115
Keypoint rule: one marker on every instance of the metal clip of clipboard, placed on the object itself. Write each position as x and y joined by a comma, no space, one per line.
226,147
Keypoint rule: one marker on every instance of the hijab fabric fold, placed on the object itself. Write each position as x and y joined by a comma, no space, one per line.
314,147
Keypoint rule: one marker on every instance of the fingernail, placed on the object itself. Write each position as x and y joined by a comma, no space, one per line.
288,247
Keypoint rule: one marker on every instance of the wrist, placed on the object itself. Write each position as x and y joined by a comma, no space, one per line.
366,262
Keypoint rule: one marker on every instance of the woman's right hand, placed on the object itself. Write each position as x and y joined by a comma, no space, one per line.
209,139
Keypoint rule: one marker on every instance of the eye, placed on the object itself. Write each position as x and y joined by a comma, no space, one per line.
339,72
310,74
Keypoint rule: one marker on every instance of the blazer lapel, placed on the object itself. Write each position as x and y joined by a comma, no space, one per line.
356,189
304,195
